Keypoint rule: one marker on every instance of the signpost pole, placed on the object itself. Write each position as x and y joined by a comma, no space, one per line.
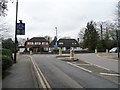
16,32
117,35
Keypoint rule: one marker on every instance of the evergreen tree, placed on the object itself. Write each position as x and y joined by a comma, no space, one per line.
91,36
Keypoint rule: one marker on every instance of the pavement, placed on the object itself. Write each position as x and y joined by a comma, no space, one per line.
95,59
20,75
113,56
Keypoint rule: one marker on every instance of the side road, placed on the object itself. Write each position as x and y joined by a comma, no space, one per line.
20,75
100,61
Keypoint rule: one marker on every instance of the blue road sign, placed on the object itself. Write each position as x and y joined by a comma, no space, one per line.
21,26
55,46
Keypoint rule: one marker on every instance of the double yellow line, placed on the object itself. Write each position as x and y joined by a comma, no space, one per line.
42,82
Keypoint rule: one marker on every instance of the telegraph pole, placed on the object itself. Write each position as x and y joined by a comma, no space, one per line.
56,35
117,36
15,50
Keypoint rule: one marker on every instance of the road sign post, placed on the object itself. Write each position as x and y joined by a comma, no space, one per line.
117,39
16,32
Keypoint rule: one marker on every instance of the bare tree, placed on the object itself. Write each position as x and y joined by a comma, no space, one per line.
3,7
5,27
21,41
81,34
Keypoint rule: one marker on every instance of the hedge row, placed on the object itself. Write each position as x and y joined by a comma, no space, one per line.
7,59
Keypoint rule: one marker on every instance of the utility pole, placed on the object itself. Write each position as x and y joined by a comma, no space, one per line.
101,31
56,35
16,32
117,36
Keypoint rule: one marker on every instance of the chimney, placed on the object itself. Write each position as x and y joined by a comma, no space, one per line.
27,39
78,40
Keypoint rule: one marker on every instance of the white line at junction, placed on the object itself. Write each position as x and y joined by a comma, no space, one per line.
79,67
110,74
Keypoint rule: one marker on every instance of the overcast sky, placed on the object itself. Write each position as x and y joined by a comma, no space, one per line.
69,16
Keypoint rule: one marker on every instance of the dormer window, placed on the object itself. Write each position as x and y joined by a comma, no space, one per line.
74,43
61,43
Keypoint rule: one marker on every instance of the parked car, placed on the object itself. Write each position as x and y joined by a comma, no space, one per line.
114,50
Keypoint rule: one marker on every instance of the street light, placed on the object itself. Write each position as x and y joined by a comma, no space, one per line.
16,31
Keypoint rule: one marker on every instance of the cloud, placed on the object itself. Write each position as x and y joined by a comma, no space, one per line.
42,16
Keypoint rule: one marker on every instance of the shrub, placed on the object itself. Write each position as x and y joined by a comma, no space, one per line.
6,62
7,52
7,59
55,51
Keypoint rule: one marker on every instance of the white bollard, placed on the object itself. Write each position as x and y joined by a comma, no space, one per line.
18,52
96,51
71,54
106,50
30,52
60,51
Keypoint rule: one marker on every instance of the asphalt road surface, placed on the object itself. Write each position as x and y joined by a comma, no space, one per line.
60,74
98,60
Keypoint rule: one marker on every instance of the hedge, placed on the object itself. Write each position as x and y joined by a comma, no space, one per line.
7,52
6,62
7,59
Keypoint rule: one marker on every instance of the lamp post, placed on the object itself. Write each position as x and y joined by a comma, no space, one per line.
16,32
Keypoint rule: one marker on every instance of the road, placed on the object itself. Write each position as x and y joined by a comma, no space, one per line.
60,74
98,60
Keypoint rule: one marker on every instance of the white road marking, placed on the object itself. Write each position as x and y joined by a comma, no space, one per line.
84,64
79,67
110,74
101,67
98,66
40,76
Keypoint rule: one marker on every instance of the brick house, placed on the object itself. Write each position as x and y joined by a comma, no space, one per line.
37,44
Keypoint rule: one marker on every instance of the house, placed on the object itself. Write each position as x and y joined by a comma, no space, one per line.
37,44
21,49
67,44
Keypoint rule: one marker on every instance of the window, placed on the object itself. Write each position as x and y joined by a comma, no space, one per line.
74,43
43,43
36,43
46,43
64,48
30,43
39,43
61,43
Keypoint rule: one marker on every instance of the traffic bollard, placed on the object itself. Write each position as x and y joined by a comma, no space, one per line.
18,52
106,50
60,51
30,52
71,54
95,50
